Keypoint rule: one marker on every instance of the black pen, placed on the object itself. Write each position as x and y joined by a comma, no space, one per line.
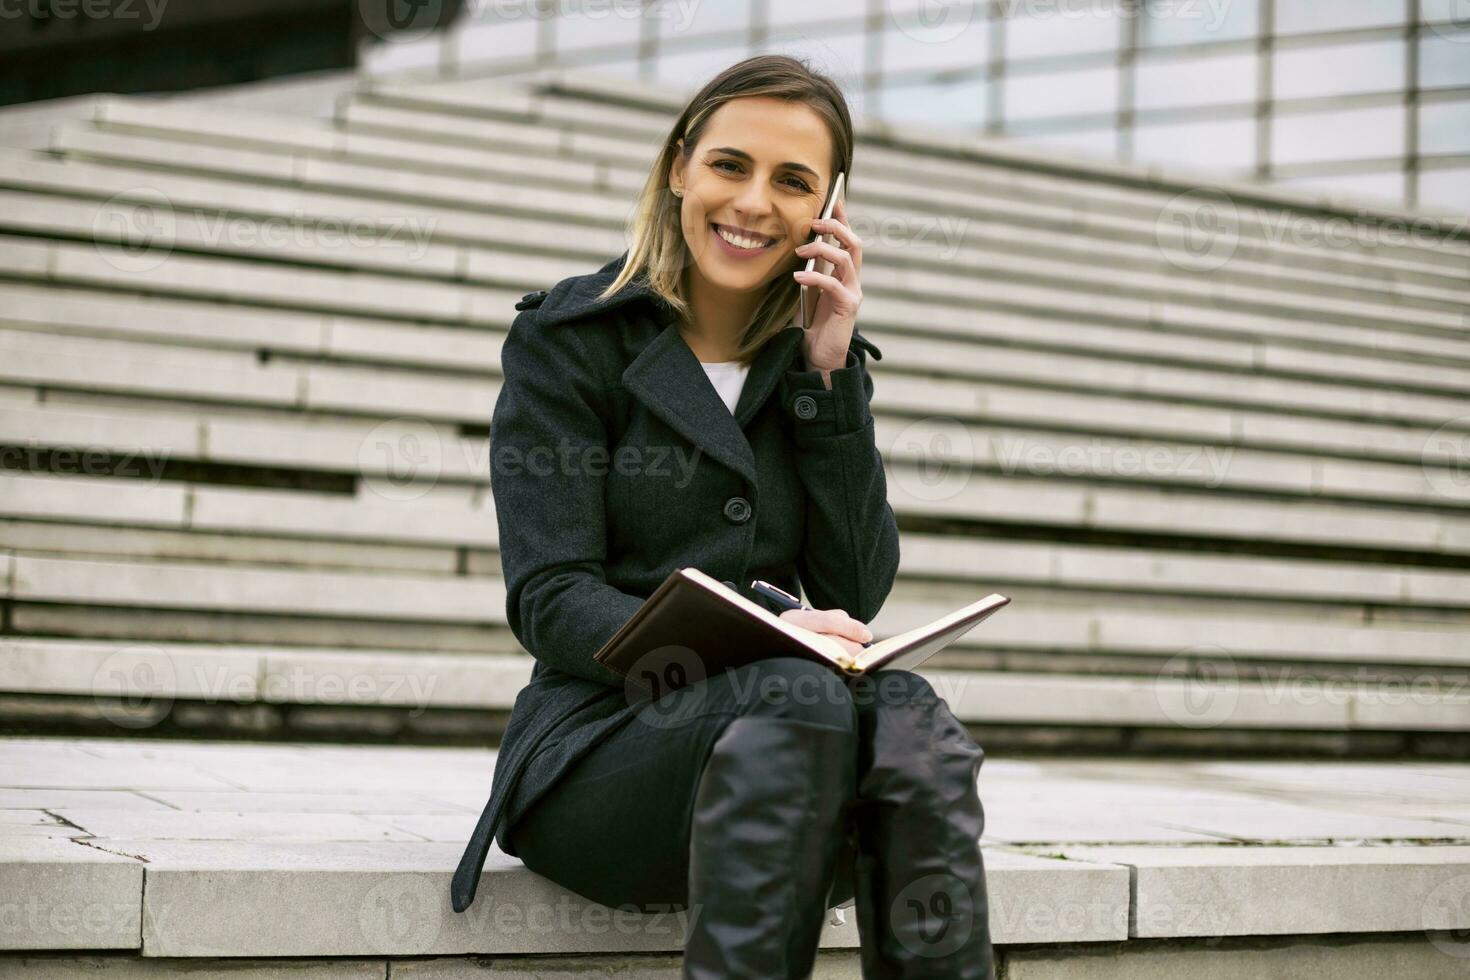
783,598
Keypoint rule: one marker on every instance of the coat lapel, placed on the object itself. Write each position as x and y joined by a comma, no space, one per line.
666,376
668,379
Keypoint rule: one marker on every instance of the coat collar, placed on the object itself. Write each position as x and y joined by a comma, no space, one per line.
667,377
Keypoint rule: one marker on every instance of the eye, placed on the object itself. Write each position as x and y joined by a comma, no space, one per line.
795,182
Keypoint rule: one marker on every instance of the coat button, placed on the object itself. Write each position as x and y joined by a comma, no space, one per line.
531,299
805,406
737,510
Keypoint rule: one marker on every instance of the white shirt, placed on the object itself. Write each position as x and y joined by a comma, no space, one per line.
728,377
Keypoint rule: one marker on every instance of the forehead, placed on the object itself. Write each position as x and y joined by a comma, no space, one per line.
771,130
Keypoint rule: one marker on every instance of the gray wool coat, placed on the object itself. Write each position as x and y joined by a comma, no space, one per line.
614,462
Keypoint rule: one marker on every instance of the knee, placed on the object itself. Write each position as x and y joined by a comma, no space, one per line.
888,688
872,693
790,687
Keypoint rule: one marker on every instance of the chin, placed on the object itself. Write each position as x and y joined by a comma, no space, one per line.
717,273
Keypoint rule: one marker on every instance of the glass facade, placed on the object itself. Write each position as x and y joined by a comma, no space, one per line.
1364,97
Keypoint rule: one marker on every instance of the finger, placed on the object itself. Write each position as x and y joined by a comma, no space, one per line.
807,619
798,617
830,622
842,264
846,300
840,623
838,229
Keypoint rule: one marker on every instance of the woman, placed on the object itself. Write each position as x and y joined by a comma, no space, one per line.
665,412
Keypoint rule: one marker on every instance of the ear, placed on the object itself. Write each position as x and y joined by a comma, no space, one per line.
676,170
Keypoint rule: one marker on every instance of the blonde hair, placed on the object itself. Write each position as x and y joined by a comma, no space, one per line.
658,253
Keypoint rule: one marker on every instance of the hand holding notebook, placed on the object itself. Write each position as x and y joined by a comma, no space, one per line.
692,620
788,603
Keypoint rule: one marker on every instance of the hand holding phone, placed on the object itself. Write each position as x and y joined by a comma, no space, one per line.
806,305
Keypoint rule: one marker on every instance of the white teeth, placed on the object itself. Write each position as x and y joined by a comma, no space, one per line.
739,242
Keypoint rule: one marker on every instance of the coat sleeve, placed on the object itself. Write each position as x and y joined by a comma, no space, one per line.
548,455
849,554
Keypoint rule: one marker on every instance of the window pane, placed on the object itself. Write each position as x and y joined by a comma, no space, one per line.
1064,28
905,50
839,55
1447,190
598,25
394,56
1094,143
497,40
1444,61
1302,16
1444,128
1061,93
1452,11
1377,66
1195,23
1346,135
1225,145
783,12
679,20
954,104
1381,186
692,69
1164,82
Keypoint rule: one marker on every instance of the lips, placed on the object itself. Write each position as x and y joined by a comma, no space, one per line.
768,239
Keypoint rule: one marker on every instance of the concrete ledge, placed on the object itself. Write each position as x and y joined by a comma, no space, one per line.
207,850
1421,956
1169,697
1425,955
1276,890
60,894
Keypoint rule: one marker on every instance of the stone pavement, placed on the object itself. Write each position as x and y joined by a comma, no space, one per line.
204,850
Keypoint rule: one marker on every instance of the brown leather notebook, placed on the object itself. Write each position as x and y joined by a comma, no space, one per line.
693,626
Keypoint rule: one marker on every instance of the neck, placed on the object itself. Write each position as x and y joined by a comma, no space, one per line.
720,317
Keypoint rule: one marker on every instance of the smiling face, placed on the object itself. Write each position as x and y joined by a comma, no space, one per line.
756,180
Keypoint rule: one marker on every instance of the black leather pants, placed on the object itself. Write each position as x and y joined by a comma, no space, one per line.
753,801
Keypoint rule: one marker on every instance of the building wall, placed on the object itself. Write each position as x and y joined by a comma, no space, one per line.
1367,97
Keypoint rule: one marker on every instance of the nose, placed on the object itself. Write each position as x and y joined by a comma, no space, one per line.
753,203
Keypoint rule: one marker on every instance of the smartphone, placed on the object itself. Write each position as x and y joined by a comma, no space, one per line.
806,306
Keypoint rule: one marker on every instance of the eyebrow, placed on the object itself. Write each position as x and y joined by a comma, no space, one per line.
789,164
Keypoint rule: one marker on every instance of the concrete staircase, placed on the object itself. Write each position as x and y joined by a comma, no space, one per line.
249,363
1210,438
